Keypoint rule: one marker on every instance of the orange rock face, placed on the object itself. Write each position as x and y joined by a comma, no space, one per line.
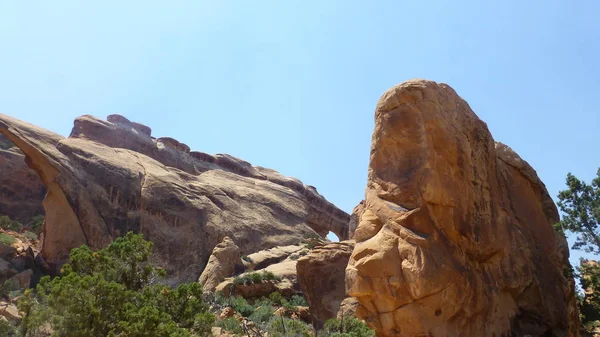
321,278
455,237
111,177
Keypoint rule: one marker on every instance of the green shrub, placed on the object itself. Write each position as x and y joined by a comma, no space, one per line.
30,236
285,327
36,224
303,252
247,258
7,239
348,327
263,302
269,276
8,224
242,280
241,306
262,314
255,277
7,329
231,324
277,298
299,301
114,292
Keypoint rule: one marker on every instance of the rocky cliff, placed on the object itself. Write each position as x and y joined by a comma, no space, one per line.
455,235
21,189
110,177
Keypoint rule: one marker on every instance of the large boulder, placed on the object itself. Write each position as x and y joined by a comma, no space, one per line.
111,177
456,235
321,278
223,262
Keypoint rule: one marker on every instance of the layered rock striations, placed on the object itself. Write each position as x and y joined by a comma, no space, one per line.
455,236
110,177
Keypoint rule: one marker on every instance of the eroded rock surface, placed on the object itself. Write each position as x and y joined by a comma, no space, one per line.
111,177
321,278
223,262
456,235
21,189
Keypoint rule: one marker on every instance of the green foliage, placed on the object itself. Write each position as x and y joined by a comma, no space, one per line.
113,292
581,206
30,236
242,280
36,224
6,239
7,224
298,301
285,327
277,298
590,283
255,277
241,306
269,276
348,327
247,258
231,324
7,329
262,314
263,302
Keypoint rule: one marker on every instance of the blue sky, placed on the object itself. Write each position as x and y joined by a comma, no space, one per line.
293,85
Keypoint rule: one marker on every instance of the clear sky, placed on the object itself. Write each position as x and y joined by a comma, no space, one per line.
292,85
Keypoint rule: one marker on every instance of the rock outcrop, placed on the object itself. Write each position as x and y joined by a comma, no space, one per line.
21,189
111,177
223,262
456,235
321,278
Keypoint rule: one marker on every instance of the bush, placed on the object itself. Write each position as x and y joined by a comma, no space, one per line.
36,224
7,329
348,327
255,277
231,324
241,306
277,298
30,236
241,280
6,239
299,301
114,292
247,258
269,276
262,314
263,302
285,327
8,224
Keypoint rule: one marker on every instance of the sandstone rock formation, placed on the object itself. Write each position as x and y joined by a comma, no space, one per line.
223,262
280,261
321,278
21,189
110,177
456,235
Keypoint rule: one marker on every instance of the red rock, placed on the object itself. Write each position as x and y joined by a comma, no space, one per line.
456,236
109,178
